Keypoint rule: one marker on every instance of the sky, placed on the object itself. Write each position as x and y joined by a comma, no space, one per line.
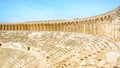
40,10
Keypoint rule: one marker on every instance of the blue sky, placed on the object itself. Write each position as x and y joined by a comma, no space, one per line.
35,10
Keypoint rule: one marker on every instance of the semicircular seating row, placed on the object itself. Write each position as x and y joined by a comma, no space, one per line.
63,49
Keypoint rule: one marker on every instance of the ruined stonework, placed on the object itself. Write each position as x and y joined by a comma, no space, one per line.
92,42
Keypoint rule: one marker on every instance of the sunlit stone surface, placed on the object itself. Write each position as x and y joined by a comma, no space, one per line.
92,42
28,49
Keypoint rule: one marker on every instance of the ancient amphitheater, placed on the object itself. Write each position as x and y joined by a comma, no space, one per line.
92,42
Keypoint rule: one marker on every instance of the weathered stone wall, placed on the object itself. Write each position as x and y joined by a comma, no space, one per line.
107,25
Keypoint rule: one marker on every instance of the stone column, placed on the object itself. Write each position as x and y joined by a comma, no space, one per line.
94,28
66,27
49,27
4,26
7,26
18,26
27,25
23,26
55,26
76,26
15,26
38,27
30,25
11,27
84,25
0,26
42,26
60,26
90,26
99,27
71,26
34,27
46,26
97,31
81,28
116,29
87,28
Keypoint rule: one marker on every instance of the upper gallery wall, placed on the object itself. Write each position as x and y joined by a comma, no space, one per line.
106,25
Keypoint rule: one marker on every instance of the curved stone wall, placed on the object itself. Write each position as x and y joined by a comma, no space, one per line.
107,24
